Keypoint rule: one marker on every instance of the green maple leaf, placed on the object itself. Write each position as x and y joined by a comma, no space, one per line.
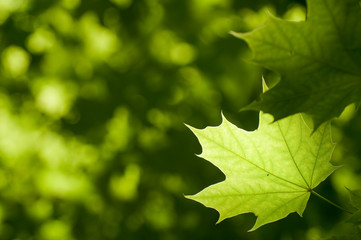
270,171
319,60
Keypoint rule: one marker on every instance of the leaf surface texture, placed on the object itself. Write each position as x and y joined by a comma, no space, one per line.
269,171
319,60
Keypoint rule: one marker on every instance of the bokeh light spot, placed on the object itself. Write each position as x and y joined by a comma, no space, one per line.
124,187
99,42
15,60
151,138
55,230
53,97
9,6
40,41
59,184
61,20
159,212
40,209
70,4
159,119
118,133
182,53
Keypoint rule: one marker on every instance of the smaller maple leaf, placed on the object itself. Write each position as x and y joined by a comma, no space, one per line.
270,171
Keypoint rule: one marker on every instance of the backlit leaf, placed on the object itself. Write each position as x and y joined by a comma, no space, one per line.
270,171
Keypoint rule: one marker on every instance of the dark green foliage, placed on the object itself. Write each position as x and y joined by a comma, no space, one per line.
319,60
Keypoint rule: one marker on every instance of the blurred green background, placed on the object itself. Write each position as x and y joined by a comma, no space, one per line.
93,100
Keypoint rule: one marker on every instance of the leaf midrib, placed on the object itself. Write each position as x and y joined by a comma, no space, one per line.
292,157
317,156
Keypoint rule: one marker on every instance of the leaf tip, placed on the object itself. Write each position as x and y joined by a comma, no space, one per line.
224,119
187,196
188,126
300,213
219,220
265,88
191,197
193,129
255,227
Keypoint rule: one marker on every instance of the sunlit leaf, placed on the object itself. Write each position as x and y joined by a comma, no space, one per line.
270,171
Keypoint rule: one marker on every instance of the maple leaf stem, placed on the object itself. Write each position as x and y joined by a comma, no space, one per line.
330,202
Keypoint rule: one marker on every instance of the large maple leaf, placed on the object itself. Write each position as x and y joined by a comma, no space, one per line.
270,171
319,60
